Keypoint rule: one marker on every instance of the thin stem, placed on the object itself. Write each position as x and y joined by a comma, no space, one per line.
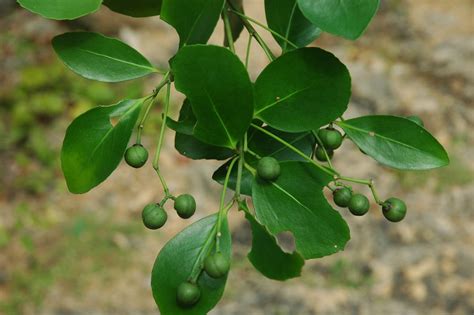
243,16
240,167
369,182
297,151
253,153
228,29
221,207
152,97
247,53
328,159
156,160
254,33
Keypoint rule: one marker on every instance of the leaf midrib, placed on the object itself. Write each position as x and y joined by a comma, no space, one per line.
383,137
117,59
283,99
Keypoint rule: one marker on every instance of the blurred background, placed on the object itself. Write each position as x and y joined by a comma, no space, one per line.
64,254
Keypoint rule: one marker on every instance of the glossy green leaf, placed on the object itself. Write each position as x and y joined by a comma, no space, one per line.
396,142
295,203
61,9
175,262
188,145
95,143
100,58
264,145
219,89
346,18
236,24
302,90
194,20
285,18
267,256
186,121
136,8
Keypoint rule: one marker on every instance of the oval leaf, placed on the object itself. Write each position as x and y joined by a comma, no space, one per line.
295,203
346,18
95,143
396,142
267,256
61,9
136,8
175,262
285,18
100,58
302,90
219,89
194,20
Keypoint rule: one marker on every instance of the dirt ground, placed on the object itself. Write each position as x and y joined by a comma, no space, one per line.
64,254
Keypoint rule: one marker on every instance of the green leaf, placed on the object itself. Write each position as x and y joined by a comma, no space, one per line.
302,90
190,146
61,9
95,143
236,23
346,18
285,18
396,142
136,8
219,89
175,262
97,57
186,121
295,203
194,20
264,145
267,256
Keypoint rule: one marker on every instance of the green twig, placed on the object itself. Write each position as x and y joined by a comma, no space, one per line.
368,182
228,28
221,206
248,18
156,160
253,33
328,159
294,149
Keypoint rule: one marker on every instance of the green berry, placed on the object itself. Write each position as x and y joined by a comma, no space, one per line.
321,156
185,206
342,196
216,265
188,294
330,137
136,156
154,216
417,120
359,204
268,168
394,209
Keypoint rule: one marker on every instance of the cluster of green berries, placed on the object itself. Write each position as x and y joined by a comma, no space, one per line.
330,140
216,266
393,209
154,215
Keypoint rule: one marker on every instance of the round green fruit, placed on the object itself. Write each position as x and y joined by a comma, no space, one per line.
188,294
321,156
394,209
136,156
216,265
330,137
342,196
359,204
185,206
268,168
154,216
417,120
